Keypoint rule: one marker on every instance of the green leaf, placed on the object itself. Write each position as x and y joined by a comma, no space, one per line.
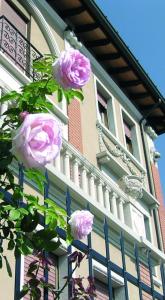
52,245
12,111
78,95
11,245
8,266
6,231
23,211
59,95
69,238
30,222
37,177
24,291
10,96
14,214
55,207
46,234
0,262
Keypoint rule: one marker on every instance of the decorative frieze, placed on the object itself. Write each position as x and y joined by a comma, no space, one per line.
151,132
117,151
132,185
72,39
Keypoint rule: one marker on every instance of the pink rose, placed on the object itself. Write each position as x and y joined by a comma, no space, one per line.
72,69
23,115
81,222
38,140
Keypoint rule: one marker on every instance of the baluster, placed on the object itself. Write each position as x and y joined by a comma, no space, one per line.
114,204
100,192
92,189
84,179
121,210
57,162
76,171
106,197
67,157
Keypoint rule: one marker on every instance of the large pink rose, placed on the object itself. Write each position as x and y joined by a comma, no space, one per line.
81,222
38,140
72,69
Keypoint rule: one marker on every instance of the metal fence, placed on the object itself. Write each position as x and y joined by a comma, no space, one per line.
17,47
94,255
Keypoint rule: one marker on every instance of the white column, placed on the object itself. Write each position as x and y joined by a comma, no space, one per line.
57,162
121,210
84,179
92,189
100,192
76,171
114,204
107,198
67,164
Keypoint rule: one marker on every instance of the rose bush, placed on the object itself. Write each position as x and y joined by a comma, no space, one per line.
38,140
72,69
81,222
31,134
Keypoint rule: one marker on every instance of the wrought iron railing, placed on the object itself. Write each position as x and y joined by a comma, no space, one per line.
106,261
17,47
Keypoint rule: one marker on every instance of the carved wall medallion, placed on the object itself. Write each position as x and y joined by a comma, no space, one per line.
132,185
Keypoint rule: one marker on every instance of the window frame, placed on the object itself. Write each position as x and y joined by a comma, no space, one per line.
100,273
111,114
125,117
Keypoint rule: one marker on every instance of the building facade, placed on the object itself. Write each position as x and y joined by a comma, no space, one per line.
108,160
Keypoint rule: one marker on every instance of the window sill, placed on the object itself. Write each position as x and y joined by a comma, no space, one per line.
156,253
100,272
157,281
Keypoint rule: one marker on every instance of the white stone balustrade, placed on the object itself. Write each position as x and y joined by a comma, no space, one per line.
91,180
75,171
100,192
84,183
113,205
121,210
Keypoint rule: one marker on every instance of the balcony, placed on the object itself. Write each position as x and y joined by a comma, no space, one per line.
17,48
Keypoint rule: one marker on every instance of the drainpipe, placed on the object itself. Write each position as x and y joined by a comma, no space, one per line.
149,173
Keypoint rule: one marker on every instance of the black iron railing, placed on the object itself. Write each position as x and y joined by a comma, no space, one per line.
104,260
17,47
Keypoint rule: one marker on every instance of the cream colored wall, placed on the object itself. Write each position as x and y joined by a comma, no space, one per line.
88,118
7,283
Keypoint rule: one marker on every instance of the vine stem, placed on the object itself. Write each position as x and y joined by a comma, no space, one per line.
67,281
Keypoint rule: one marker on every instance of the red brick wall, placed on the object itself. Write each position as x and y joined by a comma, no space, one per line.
159,196
52,273
101,290
74,126
145,278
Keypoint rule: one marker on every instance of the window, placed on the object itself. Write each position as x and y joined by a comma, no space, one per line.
105,107
130,135
147,228
102,290
102,104
138,222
